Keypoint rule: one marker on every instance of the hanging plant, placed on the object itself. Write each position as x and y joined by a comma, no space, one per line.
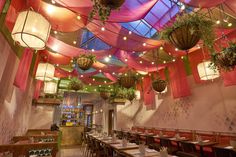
75,84
103,8
225,60
188,29
130,94
159,85
128,79
105,93
85,61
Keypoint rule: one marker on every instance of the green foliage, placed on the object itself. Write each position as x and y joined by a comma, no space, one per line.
123,93
103,8
89,56
225,60
75,84
200,25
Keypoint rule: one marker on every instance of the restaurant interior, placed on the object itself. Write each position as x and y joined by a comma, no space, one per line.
118,78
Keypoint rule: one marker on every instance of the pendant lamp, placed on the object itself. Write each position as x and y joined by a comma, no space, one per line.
205,72
31,30
50,87
45,72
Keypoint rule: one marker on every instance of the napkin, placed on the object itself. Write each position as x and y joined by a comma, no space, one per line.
151,151
206,141
229,147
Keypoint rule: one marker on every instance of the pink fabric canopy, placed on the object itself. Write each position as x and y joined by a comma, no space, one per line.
22,73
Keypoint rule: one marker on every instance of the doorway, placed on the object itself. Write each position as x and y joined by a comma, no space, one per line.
110,121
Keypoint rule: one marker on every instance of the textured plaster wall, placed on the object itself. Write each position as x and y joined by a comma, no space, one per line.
15,105
211,107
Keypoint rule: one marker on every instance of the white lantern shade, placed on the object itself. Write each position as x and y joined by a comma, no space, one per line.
31,30
142,72
50,87
205,72
137,95
45,72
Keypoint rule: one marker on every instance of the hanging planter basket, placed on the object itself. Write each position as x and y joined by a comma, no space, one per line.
226,59
85,61
159,85
105,95
75,84
127,81
184,37
112,4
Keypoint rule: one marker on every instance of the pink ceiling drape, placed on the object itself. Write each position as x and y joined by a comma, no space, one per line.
37,89
178,80
22,73
148,93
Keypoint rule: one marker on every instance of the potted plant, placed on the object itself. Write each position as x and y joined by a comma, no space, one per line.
75,84
128,79
104,7
105,93
85,61
188,29
226,59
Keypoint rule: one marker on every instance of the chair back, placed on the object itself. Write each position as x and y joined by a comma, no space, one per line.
165,142
184,154
188,147
220,152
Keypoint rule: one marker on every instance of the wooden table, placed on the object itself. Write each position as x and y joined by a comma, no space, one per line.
205,143
136,152
121,147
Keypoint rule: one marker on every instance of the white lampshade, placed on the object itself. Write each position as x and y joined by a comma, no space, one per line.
142,72
137,95
50,87
205,72
31,30
45,72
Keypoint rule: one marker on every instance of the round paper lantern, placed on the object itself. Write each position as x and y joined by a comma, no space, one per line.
205,72
31,30
137,95
45,72
50,87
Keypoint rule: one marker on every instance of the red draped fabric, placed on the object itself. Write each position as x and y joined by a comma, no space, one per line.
55,58
178,80
37,89
114,37
2,3
129,11
22,73
148,93
229,78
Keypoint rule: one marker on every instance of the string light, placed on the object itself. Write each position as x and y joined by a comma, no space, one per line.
169,53
55,32
53,2
93,50
81,75
109,56
103,28
140,62
126,60
90,84
176,49
105,81
161,48
130,32
113,73
144,44
182,57
71,61
125,74
124,38
164,62
109,86
218,22
86,88
57,65
230,24
100,86
50,9
152,62
182,7
74,42
107,59
95,91
100,70
173,60
78,17
93,79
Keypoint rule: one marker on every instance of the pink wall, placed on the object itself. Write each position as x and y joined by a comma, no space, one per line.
211,107
15,105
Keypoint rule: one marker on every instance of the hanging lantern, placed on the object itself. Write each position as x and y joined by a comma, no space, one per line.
50,87
45,72
205,72
31,30
137,95
142,72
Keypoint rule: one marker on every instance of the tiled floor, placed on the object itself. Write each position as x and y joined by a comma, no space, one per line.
70,152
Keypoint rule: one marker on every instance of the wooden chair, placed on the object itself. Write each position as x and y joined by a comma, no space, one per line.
184,154
167,143
189,148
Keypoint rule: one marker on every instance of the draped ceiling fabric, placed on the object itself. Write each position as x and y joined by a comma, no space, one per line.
156,13
178,80
22,73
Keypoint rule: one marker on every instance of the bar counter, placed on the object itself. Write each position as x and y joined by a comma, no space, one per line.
71,135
